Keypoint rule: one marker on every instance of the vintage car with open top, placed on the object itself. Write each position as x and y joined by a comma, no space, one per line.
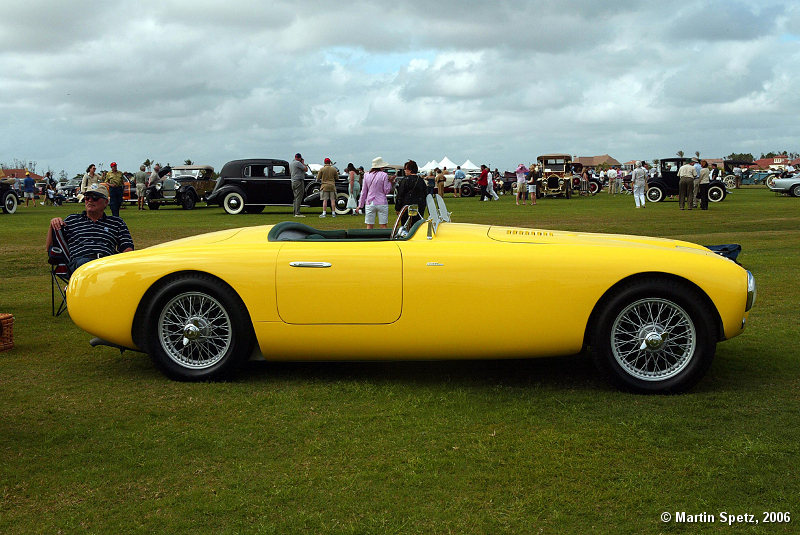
651,310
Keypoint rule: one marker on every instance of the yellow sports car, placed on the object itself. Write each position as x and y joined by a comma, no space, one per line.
651,310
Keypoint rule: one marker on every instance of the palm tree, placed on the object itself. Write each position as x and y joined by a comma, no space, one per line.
697,153
188,162
147,163
680,154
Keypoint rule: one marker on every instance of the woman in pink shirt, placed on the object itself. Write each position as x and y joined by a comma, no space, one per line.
375,187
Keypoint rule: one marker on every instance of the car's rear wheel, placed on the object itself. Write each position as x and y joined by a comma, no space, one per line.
795,191
254,209
655,194
233,202
200,329
188,202
654,336
716,193
10,202
467,190
152,205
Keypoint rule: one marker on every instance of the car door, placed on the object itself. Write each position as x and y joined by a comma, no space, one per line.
255,183
279,185
339,282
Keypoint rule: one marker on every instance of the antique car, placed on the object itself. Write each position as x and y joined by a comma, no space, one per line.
660,187
652,312
555,177
8,196
593,186
748,176
251,185
184,185
790,185
70,189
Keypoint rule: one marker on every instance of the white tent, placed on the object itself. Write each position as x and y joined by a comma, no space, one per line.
430,166
469,166
445,162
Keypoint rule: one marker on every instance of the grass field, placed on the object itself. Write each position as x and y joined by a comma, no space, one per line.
98,442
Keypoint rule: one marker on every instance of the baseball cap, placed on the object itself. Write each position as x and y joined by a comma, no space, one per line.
98,189
113,164
327,160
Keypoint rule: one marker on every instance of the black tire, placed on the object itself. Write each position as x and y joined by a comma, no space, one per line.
467,190
10,202
197,329
650,324
152,205
188,201
233,202
594,187
655,194
795,191
716,193
312,189
341,203
254,209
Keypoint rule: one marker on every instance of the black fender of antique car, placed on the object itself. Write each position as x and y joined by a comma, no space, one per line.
216,196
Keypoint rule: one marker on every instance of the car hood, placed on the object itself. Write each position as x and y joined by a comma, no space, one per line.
243,235
785,182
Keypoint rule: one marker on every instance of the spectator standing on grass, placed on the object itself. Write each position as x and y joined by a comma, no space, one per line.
483,181
298,170
29,189
522,182
686,176
696,186
92,234
90,178
458,177
374,189
703,180
411,190
612,181
440,180
140,179
639,183
430,181
115,182
490,186
533,177
327,192
353,188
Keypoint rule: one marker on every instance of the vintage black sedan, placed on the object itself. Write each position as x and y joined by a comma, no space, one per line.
658,188
251,185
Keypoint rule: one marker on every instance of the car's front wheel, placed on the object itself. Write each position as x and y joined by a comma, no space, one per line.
10,202
716,193
200,329
233,202
730,181
467,190
594,187
654,336
795,191
153,205
770,181
655,194
188,202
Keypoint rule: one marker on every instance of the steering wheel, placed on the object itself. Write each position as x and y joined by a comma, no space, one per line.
396,227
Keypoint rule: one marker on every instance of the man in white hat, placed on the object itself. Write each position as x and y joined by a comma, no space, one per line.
375,187
92,234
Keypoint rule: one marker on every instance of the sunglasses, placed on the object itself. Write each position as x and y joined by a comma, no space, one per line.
91,197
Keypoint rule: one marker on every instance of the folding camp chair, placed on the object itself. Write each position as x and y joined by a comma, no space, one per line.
58,258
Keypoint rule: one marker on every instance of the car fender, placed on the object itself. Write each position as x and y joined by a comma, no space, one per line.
218,195
186,190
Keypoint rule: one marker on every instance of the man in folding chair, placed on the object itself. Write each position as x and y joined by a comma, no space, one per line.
83,237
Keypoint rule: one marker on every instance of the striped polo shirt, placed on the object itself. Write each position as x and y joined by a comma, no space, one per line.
104,237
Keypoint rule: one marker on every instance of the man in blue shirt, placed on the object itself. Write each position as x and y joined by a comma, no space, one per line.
29,186
457,178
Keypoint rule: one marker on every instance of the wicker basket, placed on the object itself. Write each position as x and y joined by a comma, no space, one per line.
6,332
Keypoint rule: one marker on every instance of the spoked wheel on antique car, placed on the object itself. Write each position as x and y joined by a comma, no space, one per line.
729,181
467,190
770,181
594,187
200,331
654,336
795,191
655,194
716,193
9,202
233,202
187,202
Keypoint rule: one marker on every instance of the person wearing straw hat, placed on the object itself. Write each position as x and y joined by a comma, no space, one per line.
374,189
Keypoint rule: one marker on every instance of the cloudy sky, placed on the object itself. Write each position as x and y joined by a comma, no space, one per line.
497,82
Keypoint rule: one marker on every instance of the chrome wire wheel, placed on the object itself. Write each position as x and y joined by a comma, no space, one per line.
194,330
653,339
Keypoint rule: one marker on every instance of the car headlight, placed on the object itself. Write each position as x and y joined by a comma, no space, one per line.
751,292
